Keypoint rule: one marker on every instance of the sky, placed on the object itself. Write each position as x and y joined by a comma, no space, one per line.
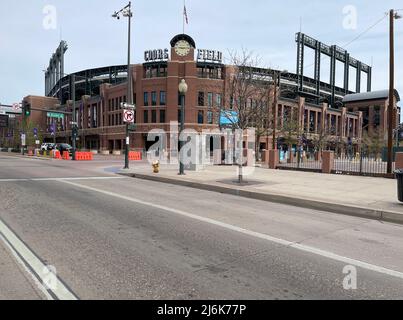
31,31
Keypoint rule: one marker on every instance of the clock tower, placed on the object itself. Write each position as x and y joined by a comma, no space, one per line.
182,48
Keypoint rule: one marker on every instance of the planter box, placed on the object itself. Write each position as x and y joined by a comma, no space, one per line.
105,152
117,152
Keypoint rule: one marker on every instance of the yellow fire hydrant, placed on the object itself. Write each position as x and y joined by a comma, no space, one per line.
156,166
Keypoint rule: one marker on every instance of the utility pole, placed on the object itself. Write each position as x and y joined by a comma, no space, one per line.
391,124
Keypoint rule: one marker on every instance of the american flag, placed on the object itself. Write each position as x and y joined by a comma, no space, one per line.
185,14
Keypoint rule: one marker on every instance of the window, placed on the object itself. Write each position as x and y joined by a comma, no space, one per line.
218,100
154,98
210,72
201,99
146,116
162,116
210,99
311,121
145,98
163,98
200,117
148,72
377,116
94,116
209,117
153,116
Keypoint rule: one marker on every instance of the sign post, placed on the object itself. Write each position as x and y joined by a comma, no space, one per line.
23,141
128,118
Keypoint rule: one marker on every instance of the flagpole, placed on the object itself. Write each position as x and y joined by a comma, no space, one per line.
183,15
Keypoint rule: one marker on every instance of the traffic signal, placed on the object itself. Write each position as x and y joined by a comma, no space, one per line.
26,109
75,131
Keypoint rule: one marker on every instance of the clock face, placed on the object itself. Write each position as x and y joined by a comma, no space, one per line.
182,48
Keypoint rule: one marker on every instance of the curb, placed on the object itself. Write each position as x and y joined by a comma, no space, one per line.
350,210
17,155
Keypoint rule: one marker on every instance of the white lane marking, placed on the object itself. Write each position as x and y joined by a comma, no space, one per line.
21,262
60,179
258,235
33,265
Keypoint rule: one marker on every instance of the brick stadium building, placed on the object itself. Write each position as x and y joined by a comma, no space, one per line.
101,91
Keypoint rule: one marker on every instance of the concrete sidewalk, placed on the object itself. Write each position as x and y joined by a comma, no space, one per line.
374,198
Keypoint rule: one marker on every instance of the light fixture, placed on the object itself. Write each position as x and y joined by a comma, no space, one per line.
183,87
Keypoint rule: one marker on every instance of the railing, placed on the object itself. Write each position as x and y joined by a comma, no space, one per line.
364,163
305,161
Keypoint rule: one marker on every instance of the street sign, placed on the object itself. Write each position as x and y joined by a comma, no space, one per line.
125,105
23,139
73,123
37,142
35,132
128,116
55,115
132,127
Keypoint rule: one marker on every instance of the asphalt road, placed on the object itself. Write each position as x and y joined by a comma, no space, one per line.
119,238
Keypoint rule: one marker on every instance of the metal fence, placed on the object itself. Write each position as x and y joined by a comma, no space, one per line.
304,161
364,163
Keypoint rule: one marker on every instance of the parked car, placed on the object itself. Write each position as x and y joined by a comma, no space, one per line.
64,147
47,146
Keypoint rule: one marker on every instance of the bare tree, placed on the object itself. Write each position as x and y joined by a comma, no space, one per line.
291,131
320,141
374,143
248,96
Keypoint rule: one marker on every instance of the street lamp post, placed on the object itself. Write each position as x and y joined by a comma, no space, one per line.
127,12
392,15
183,88
73,117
